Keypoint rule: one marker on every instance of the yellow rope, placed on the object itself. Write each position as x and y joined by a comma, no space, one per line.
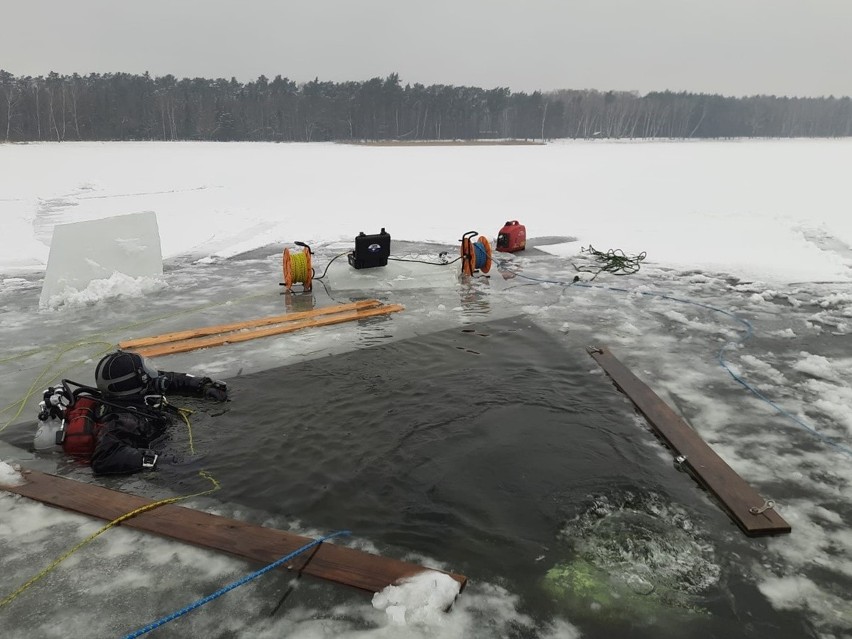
185,413
64,348
44,378
132,325
12,358
299,264
114,522
69,346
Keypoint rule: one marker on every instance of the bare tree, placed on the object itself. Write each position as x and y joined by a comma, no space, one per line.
11,92
75,80
37,90
52,82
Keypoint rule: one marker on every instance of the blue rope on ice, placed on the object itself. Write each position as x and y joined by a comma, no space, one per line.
721,356
738,378
197,604
785,413
481,255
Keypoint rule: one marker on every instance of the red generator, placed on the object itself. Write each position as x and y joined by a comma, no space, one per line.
512,237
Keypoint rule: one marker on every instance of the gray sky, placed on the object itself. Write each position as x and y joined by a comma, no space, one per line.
733,47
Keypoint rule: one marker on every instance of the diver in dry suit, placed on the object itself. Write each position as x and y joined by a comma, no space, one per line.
118,425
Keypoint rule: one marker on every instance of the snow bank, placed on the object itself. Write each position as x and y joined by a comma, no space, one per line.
9,476
421,599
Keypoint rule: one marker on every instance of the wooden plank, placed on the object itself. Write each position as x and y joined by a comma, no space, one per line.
236,326
743,503
334,563
183,346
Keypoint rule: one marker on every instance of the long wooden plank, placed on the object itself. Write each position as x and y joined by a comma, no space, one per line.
249,541
236,326
747,508
171,348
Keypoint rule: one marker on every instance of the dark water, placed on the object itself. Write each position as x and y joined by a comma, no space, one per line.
501,454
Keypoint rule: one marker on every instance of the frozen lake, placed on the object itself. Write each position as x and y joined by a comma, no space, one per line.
470,432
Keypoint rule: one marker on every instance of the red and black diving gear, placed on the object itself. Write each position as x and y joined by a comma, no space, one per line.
117,426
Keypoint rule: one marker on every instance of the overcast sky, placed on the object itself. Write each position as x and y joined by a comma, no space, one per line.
733,47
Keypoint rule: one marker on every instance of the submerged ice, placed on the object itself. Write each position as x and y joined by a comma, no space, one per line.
634,558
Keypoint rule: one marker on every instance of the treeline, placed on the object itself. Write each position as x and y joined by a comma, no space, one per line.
121,106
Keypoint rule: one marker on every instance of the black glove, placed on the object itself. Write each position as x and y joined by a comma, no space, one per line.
215,390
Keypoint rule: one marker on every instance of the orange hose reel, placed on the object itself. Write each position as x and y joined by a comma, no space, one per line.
297,268
476,255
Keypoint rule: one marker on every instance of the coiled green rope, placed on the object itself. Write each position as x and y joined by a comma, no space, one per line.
614,261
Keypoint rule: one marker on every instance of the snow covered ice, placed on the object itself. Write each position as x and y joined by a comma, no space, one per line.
737,233
419,599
